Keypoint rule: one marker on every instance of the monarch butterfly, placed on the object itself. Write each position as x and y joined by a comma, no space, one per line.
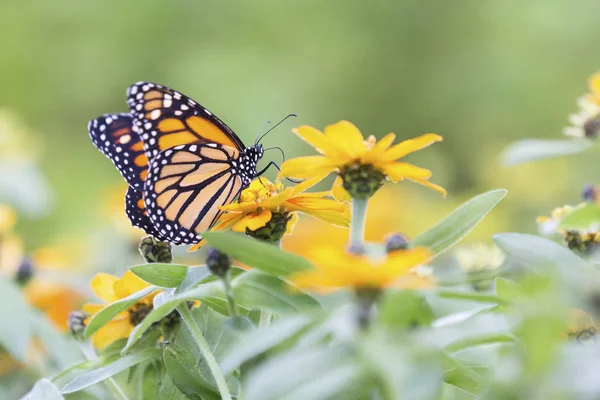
181,162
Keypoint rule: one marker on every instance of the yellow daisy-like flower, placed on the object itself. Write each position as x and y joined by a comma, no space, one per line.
109,289
586,122
361,164
269,210
549,226
337,268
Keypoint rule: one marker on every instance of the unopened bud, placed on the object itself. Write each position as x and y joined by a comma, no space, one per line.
217,262
396,241
589,193
76,323
155,251
24,272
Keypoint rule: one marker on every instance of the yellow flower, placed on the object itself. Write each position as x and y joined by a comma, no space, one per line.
586,122
479,257
56,301
338,268
273,207
345,151
109,289
581,327
549,226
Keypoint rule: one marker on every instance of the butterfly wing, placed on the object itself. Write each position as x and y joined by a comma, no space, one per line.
186,185
113,135
166,118
136,212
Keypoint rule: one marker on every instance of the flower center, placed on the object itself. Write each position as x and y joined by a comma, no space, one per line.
274,230
138,312
361,180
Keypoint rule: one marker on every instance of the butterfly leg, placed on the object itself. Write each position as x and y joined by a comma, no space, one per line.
274,164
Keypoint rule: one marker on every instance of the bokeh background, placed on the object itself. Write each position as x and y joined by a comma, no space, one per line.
480,73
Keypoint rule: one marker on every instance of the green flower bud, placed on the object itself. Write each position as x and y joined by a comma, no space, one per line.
361,181
155,251
591,127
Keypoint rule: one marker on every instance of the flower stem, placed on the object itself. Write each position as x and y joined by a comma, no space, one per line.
231,304
112,385
186,315
357,223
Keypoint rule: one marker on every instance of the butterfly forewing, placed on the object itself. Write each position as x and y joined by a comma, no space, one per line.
113,135
186,185
166,118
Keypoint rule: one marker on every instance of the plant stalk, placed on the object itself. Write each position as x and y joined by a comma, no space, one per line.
231,304
186,315
357,222
112,385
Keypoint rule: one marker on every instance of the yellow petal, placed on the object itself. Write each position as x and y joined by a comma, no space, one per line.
292,224
103,286
307,167
128,284
253,221
307,184
92,309
430,185
325,209
347,138
410,146
378,149
338,191
316,139
594,83
397,171
113,331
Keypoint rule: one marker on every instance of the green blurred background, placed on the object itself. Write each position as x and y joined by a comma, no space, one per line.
480,73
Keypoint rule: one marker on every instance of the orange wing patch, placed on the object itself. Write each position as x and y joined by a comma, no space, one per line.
209,131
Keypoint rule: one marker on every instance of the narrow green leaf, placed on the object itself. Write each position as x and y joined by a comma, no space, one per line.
161,275
506,289
169,391
260,340
182,369
479,340
255,289
459,223
265,257
470,296
43,390
541,254
112,310
537,149
99,374
15,330
582,218
209,290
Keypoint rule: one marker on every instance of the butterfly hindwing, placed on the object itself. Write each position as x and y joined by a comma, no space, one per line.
113,135
165,118
186,185
136,212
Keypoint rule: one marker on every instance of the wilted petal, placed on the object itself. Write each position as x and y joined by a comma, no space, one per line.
430,185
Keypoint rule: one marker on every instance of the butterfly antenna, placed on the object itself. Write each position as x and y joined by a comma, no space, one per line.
267,122
280,150
275,126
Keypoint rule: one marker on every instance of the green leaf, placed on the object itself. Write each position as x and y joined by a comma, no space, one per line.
479,340
109,312
582,218
169,391
537,149
405,309
182,369
469,296
542,254
209,290
15,329
260,340
194,276
284,375
255,289
161,275
458,224
506,289
265,257
43,390
101,373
